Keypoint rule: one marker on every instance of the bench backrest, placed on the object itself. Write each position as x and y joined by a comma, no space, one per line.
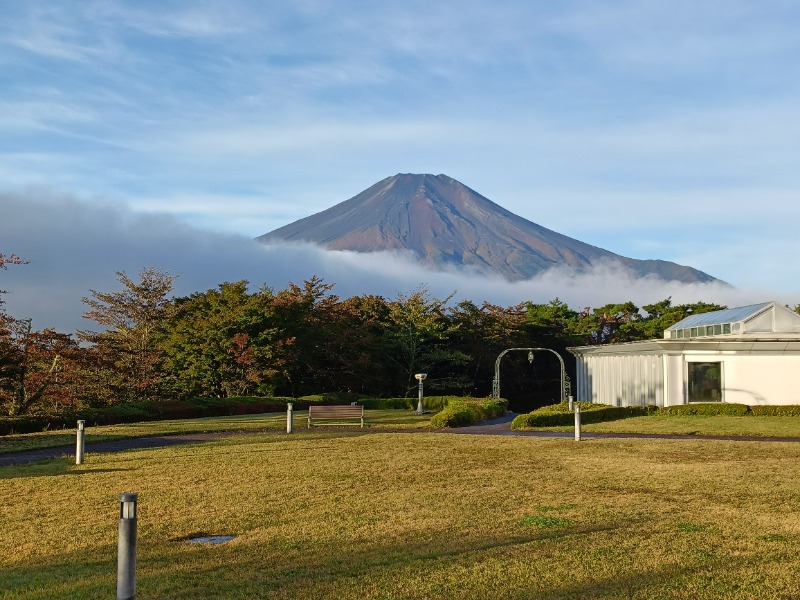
336,412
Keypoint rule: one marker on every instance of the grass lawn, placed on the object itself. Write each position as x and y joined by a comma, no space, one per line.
396,516
394,419
695,425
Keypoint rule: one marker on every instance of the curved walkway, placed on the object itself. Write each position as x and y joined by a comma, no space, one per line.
498,426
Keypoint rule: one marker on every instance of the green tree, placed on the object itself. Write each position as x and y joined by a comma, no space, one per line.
609,324
223,342
417,334
662,315
356,349
481,333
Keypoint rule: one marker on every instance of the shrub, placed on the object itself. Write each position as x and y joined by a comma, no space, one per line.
431,402
791,410
466,411
31,424
388,403
558,414
706,409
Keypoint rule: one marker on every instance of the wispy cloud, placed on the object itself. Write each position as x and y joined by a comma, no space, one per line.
638,126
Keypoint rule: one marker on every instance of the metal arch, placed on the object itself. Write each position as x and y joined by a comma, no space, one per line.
565,384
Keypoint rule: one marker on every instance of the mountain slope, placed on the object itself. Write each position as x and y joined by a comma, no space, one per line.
445,223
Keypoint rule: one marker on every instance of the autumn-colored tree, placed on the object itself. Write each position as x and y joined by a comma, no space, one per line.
34,365
306,315
43,369
126,349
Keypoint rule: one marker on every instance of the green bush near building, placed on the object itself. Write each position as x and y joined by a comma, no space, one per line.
557,415
459,412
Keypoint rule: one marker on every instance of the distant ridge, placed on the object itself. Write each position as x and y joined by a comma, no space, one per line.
445,223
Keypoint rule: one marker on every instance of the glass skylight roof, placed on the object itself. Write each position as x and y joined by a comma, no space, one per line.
718,317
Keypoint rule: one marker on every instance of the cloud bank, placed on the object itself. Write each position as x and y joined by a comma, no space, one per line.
74,246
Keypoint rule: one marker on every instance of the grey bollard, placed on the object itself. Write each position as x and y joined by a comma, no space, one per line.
289,417
571,401
126,548
79,442
420,405
577,422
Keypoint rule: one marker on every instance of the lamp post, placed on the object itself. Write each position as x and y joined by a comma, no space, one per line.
420,408
496,382
126,547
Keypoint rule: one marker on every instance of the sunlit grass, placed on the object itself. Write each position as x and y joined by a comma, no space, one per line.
696,425
357,515
392,419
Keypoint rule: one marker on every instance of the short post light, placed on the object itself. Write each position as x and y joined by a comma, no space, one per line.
289,417
126,547
420,407
577,422
571,400
79,442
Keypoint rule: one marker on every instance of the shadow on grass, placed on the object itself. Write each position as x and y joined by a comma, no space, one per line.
168,568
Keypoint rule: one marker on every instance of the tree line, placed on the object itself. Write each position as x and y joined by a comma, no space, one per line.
145,344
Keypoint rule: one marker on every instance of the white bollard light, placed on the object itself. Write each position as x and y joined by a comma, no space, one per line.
577,422
571,400
289,417
79,442
126,547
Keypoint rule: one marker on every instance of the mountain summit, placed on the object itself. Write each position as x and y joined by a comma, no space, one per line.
444,223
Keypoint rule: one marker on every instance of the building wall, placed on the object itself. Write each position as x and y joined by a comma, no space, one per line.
674,379
757,379
660,379
630,380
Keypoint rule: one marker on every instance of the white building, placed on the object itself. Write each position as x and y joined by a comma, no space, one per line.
747,355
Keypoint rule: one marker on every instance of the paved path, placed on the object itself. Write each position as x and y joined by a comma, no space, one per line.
29,456
498,426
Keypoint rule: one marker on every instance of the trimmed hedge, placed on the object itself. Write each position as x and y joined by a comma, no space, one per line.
791,410
466,411
558,414
194,408
134,412
430,402
706,409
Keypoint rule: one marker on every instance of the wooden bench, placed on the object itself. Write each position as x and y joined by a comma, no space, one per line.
337,413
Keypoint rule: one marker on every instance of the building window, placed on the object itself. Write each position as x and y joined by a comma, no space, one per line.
704,381
726,328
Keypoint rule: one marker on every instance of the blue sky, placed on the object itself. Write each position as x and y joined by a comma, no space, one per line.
653,129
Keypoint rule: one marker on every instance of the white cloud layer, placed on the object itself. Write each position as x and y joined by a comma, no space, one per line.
74,246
